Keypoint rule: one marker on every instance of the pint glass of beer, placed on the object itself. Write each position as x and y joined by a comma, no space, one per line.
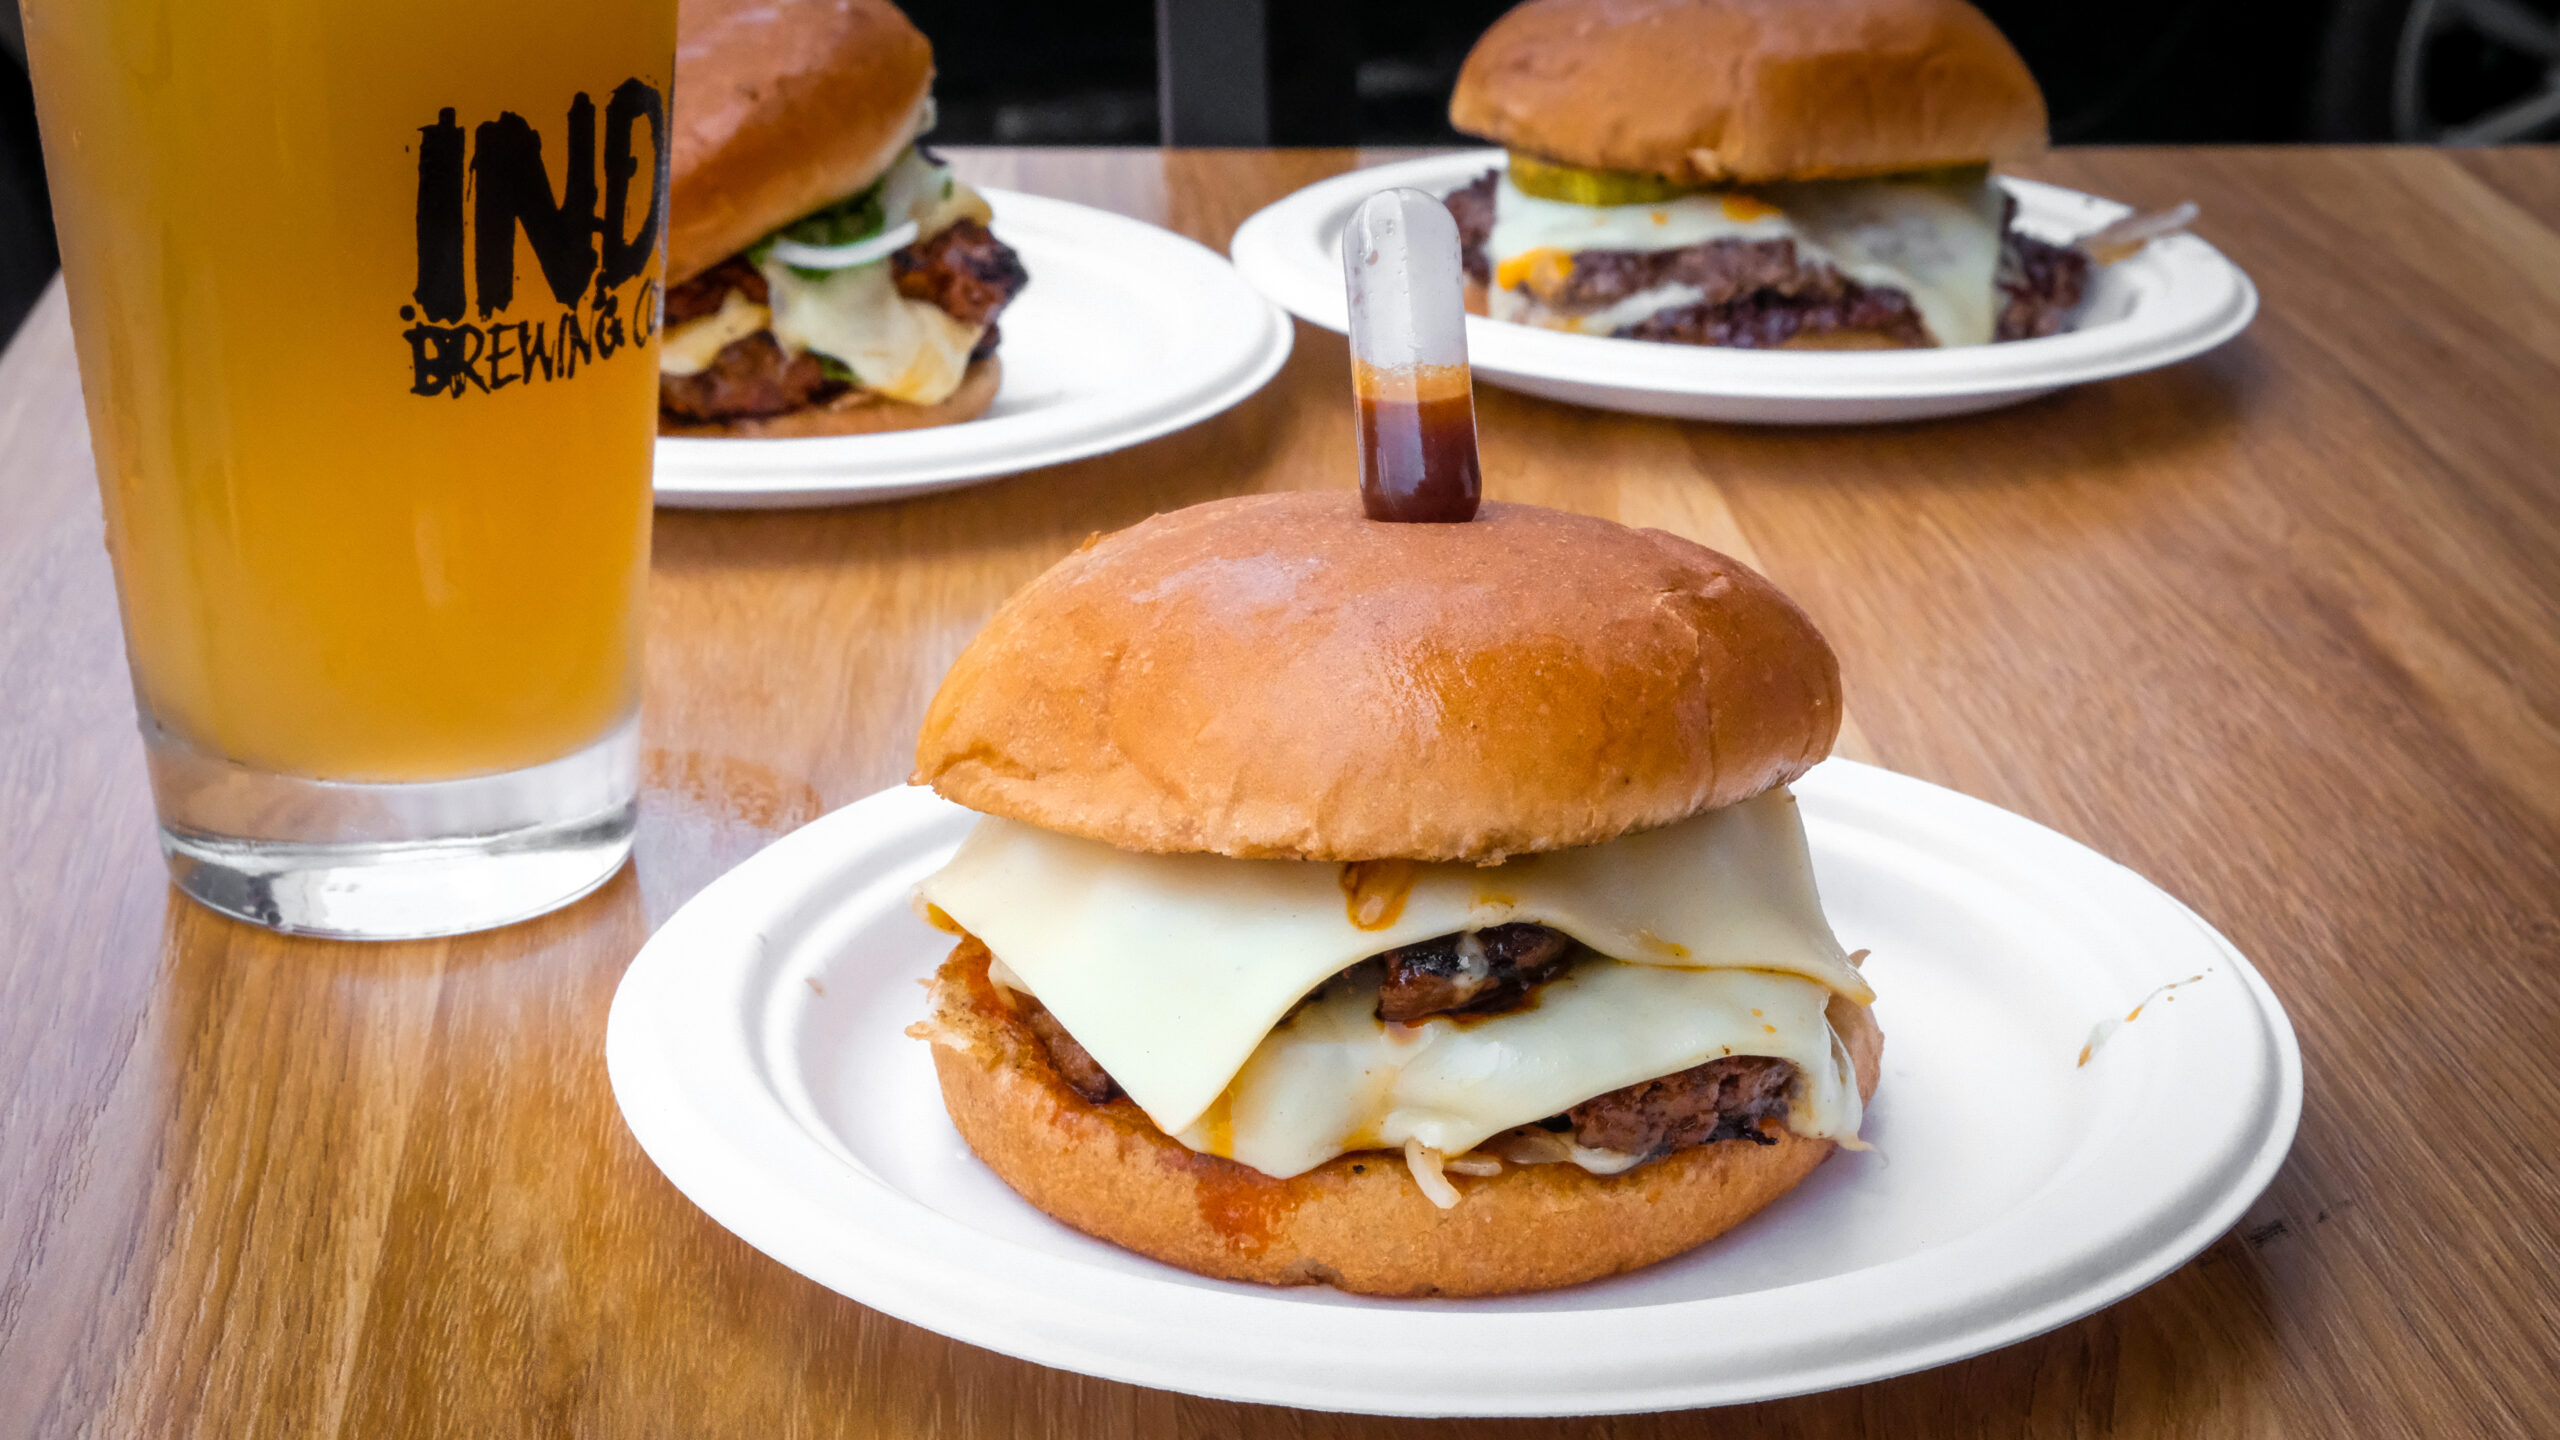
366,302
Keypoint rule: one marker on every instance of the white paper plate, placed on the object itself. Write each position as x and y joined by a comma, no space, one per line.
1126,332
2178,298
756,1049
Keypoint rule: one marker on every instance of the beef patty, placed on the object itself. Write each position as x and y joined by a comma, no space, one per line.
1761,293
1487,971
749,378
1721,1100
1472,206
1076,1065
1477,973
2040,284
964,269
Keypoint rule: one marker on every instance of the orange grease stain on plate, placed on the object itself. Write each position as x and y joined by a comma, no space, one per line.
2105,1028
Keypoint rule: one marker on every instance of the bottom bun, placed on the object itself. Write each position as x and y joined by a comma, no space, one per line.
1358,1221
859,412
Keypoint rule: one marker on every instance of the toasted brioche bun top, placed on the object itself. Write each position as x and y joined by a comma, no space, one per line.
1278,676
1749,90
783,106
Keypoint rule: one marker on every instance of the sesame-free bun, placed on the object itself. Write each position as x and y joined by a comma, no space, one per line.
857,412
1358,1221
1278,676
781,107
1750,90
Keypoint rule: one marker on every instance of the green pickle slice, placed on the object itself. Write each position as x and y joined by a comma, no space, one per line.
1580,185
1576,185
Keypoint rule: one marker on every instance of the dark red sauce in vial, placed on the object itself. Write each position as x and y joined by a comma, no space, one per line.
1417,435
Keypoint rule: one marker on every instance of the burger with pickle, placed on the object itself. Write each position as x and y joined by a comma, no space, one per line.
1762,173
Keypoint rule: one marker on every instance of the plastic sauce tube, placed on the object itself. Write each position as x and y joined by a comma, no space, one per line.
1415,400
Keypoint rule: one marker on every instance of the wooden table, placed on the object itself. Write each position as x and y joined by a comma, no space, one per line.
2280,628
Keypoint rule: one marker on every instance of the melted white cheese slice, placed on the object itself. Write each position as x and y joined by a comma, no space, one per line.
1523,222
1937,241
689,348
908,350
1335,1078
1170,969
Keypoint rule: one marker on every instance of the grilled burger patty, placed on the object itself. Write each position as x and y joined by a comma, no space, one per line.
1488,971
964,269
1761,293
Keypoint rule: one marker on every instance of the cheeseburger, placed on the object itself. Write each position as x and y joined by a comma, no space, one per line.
1412,908
828,276
1803,173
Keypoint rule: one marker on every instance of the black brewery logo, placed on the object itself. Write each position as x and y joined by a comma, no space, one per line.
588,252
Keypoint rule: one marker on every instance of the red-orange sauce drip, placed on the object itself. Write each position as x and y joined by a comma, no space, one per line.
1417,432
1374,891
1242,1206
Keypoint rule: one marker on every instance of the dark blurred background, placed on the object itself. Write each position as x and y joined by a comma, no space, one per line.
1336,72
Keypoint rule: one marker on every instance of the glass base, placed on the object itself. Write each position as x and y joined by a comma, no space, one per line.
394,862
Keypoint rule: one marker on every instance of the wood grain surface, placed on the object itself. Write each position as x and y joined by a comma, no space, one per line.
2279,627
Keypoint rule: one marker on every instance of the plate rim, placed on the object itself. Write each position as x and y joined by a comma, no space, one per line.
896,1261
1267,250
781,473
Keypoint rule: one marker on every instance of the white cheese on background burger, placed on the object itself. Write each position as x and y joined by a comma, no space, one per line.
906,349
1936,240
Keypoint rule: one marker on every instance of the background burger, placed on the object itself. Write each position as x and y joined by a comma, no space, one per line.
1417,909
1809,173
827,275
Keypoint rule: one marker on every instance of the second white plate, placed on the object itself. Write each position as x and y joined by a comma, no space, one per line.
2037,1156
1126,332
2177,298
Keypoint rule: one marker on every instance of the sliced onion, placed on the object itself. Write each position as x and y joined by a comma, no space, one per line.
2122,239
1424,1162
845,257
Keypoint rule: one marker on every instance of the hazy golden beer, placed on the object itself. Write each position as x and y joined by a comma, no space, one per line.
365,298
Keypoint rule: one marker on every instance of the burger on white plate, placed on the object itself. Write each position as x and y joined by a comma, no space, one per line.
827,275
1418,909
1807,174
